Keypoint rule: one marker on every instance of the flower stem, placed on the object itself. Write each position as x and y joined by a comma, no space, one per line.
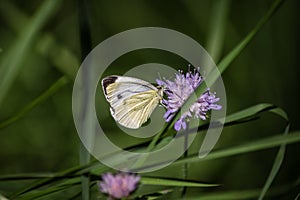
85,47
185,165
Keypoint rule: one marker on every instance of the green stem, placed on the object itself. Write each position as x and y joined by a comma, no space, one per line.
86,47
185,155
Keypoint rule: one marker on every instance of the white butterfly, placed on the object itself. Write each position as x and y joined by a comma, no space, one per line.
132,100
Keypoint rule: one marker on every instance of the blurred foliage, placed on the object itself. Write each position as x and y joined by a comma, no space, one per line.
45,139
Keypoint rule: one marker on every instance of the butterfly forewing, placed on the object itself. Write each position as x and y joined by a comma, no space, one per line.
132,100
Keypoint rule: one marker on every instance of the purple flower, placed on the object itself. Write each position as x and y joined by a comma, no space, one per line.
118,186
179,90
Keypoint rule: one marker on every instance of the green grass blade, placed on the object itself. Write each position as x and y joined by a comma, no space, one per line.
85,180
12,58
52,178
242,116
262,144
177,183
28,176
43,97
226,61
279,158
249,112
56,176
246,194
276,166
234,118
65,185
86,47
216,33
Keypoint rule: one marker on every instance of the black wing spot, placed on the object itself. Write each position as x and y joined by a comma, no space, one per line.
107,81
119,96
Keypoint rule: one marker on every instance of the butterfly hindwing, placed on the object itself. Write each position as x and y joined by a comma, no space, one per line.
137,109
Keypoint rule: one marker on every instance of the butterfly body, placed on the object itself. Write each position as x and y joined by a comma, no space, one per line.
132,100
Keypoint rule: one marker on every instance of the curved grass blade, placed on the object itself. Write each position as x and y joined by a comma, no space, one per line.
232,119
13,57
174,182
265,143
241,116
227,60
262,144
43,97
235,118
280,155
275,169
251,112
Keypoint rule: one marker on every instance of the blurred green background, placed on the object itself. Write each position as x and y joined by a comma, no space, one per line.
45,139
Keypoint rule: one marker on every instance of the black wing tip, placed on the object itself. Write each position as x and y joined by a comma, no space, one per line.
107,81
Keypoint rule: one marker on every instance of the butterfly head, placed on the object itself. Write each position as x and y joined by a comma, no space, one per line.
160,93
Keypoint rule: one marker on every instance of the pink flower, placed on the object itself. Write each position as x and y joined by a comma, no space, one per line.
119,185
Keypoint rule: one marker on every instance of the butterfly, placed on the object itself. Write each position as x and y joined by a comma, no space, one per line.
131,100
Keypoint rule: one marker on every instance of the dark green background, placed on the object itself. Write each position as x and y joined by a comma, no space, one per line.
267,71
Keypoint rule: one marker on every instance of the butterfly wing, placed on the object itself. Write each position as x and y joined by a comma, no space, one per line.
132,100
